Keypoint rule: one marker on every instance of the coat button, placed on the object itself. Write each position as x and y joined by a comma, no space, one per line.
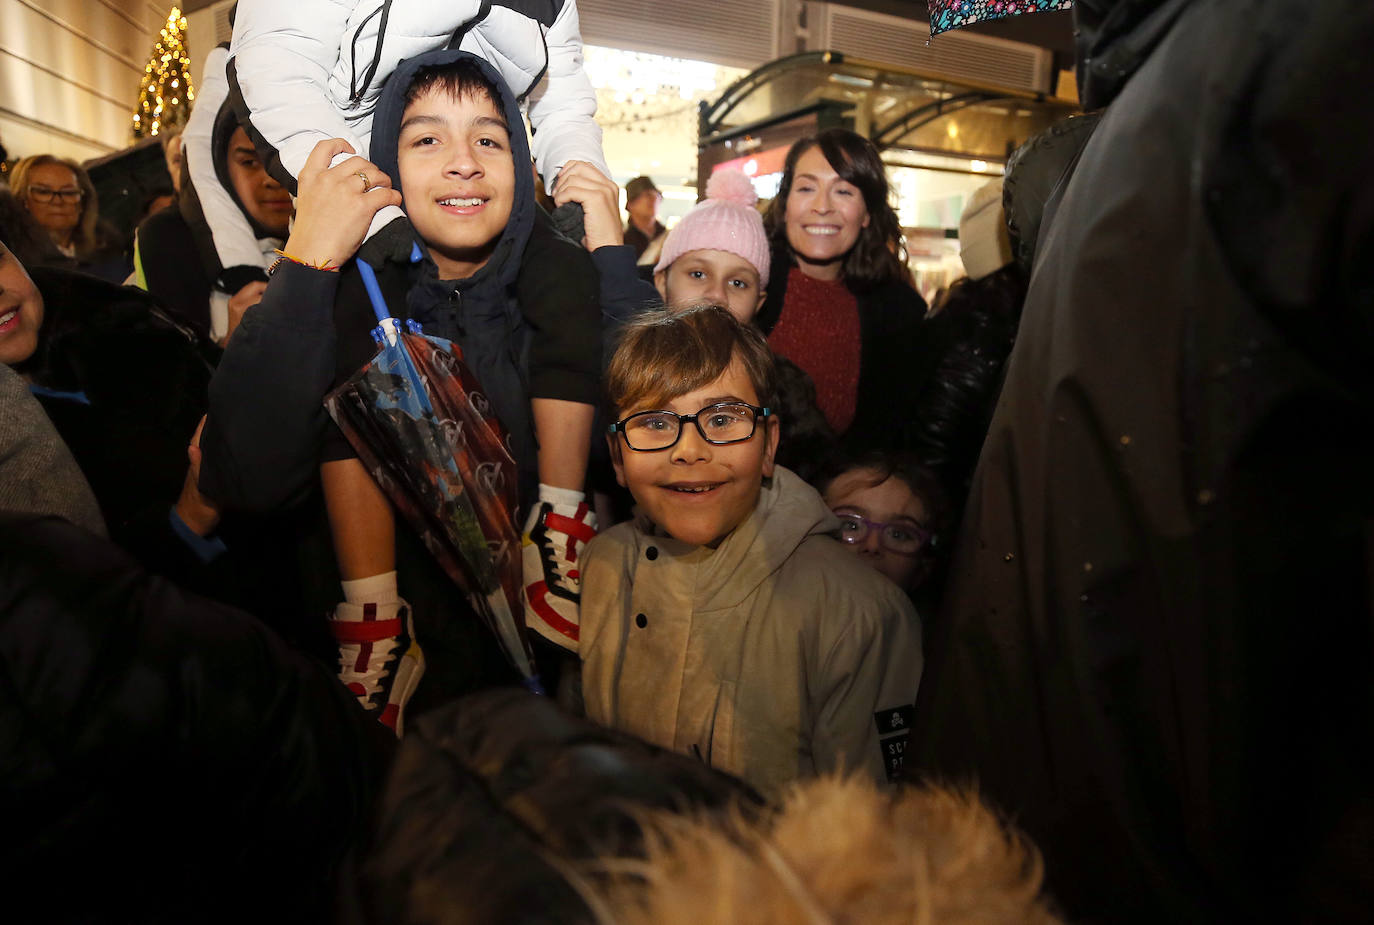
651,553
641,621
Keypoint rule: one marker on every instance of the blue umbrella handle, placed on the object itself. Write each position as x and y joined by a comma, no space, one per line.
374,291
385,322
389,325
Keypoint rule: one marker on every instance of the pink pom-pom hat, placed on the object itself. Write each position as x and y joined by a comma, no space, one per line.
725,220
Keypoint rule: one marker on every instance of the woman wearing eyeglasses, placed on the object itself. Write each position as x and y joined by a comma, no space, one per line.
60,197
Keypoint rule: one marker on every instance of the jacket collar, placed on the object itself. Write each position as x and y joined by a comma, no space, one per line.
1113,38
789,510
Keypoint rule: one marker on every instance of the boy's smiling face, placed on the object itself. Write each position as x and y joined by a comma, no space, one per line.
695,491
457,177
713,276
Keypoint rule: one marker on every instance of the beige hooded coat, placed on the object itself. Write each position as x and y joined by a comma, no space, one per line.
776,656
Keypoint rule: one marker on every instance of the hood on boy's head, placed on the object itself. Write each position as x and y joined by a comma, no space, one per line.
226,123
386,131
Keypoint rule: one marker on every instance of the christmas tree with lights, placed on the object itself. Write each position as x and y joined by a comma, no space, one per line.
166,95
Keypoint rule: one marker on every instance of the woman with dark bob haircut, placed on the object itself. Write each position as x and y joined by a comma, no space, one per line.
839,304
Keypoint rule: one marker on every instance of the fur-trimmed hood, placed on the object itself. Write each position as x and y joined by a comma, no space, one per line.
838,851
500,807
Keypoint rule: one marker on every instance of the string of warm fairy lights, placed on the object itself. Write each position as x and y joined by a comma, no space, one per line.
166,94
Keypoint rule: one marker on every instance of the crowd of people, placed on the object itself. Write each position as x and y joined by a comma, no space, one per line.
779,551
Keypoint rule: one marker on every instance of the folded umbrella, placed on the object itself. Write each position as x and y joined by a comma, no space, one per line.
424,429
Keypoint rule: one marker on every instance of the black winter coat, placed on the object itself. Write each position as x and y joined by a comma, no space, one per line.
1157,650
895,357
164,758
144,379
174,268
973,333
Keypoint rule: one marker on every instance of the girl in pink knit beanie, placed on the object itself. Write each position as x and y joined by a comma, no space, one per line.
718,252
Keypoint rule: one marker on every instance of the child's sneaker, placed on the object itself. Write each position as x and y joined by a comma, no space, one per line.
379,659
552,547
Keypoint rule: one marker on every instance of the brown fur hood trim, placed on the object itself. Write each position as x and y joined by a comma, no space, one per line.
838,851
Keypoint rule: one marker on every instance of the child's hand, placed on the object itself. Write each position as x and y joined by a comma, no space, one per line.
599,196
240,302
335,205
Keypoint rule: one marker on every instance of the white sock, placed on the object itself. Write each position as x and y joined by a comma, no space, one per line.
376,589
561,497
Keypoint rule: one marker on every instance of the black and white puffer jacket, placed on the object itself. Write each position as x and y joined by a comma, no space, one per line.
314,69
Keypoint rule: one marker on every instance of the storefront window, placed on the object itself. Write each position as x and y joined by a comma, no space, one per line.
647,109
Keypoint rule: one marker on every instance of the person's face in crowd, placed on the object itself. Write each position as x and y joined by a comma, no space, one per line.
21,310
643,209
63,213
457,177
865,493
714,277
825,214
263,197
695,491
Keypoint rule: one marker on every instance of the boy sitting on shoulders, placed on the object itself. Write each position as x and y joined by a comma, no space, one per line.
726,621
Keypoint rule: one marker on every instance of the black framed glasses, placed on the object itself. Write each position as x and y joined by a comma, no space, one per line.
48,194
900,537
720,424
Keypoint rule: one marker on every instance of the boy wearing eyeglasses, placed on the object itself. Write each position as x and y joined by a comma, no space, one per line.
725,621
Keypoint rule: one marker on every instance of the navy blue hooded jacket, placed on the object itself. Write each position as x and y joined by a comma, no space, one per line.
524,335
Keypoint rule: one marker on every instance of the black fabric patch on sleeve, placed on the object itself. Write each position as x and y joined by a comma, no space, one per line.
893,748
894,719
893,724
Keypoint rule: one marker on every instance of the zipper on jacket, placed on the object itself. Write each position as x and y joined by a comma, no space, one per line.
455,312
355,93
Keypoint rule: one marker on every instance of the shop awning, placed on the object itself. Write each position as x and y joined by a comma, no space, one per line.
903,111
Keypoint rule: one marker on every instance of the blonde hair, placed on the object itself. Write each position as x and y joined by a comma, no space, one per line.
838,851
84,236
664,354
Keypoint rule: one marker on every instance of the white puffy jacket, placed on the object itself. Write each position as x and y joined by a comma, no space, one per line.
234,239
313,69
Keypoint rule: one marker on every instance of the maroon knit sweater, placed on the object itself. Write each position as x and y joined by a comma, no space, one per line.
819,331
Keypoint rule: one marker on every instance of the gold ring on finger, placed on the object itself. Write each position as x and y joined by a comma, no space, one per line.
366,184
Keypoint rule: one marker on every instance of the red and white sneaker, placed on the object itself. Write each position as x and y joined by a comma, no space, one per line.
555,536
379,659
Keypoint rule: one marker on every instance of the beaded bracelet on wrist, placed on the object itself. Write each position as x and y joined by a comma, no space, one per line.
284,257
